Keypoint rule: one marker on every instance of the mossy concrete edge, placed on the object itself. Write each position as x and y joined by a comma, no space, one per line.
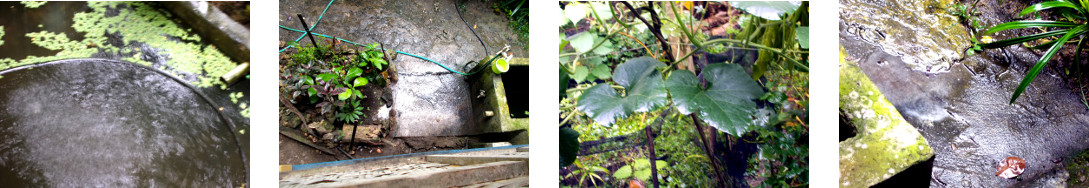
885,144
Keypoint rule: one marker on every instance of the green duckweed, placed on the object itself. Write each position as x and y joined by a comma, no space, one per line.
138,24
33,4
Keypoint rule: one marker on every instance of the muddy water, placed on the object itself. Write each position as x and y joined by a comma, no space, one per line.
963,110
104,123
428,100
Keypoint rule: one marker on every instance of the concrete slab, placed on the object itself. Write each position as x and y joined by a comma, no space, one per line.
463,160
885,144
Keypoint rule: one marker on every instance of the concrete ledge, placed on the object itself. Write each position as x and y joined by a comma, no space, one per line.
886,144
457,176
465,160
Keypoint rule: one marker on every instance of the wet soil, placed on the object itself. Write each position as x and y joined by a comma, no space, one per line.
964,111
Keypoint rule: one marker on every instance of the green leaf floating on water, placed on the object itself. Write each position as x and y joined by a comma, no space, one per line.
727,101
569,146
644,89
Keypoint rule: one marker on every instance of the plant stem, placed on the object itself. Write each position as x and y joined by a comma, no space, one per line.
762,47
707,148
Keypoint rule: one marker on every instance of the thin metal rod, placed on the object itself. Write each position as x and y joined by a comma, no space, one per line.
307,29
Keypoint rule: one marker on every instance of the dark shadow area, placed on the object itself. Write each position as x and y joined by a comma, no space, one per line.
516,85
917,175
846,129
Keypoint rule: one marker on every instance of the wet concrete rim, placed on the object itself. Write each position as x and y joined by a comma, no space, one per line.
194,89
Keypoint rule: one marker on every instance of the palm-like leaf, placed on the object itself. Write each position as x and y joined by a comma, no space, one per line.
1049,5
1026,38
1028,24
1043,61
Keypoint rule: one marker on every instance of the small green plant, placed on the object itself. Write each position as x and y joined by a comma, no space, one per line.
639,169
350,113
588,172
1071,24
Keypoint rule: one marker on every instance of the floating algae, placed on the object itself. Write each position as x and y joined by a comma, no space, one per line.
138,26
33,4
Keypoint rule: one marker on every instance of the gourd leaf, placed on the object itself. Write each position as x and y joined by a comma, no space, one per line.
623,173
644,90
569,146
727,101
582,42
580,73
575,12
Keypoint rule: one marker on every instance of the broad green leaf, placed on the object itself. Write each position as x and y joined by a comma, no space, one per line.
355,72
344,95
767,9
580,73
802,34
623,173
644,89
660,164
563,18
1043,61
602,71
727,101
1027,24
576,11
605,48
602,10
326,76
360,82
311,91
1048,5
643,174
582,42
640,164
569,146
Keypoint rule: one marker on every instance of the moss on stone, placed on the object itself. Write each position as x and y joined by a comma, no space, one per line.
1078,166
886,144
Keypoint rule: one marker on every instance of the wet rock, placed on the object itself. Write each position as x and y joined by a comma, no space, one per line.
886,144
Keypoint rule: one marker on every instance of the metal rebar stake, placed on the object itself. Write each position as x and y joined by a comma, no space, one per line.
307,29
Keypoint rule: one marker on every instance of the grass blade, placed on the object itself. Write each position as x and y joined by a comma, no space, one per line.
1048,5
1028,24
1043,61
